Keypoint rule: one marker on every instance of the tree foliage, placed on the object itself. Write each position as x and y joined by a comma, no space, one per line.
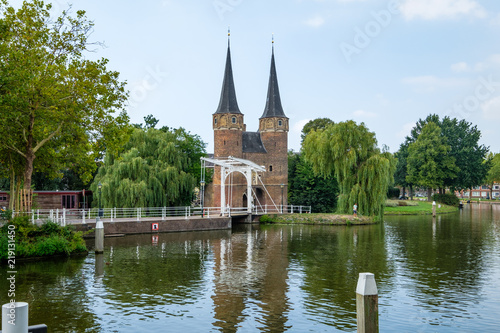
155,169
429,163
463,139
306,188
314,125
493,175
349,151
59,109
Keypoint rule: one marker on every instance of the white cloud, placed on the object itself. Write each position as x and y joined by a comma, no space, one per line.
430,83
491,109
315,22
297,127
493,62
364,114
460,67
441,9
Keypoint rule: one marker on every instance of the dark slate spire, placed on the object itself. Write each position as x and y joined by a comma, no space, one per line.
273,103
228,103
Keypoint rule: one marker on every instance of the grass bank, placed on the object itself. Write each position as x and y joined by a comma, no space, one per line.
407,207
319,218
20,239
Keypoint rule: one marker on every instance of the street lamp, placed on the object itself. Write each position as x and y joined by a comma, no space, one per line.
202,185
282,186
99,186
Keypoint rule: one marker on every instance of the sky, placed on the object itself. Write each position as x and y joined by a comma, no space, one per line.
386,63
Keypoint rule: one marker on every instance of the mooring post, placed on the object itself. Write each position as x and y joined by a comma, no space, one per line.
15,317
99,236
433,208
367,303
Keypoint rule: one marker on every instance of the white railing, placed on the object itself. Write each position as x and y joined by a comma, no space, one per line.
64,217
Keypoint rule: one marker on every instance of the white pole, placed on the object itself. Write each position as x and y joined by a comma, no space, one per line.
64,217
83,216
33,216
99,236
367,303
15,317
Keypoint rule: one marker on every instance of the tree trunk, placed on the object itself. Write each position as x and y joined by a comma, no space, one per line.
12,197
429,194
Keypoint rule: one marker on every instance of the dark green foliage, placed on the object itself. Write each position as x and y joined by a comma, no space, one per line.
393,192
315,125
38,241
307,189
449,199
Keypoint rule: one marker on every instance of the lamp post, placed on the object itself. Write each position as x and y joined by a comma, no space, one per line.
202,197
99,186
282,186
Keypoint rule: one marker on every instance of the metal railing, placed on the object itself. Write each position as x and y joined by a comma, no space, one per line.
64,217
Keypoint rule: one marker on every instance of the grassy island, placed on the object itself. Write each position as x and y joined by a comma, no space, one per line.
21,239
319,218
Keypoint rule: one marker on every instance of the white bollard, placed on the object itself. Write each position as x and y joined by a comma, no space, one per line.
367,303
15,317
99,236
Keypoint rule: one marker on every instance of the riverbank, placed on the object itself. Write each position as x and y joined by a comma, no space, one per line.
408,207
318,218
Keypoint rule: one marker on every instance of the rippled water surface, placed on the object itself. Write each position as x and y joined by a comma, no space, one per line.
433,275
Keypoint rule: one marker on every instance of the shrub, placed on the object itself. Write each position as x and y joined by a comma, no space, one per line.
38,241
393,192
449,199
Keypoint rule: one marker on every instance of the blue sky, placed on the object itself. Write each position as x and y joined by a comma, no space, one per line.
382,62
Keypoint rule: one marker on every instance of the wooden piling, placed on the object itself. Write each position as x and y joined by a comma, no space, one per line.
433,208
367,304
99,236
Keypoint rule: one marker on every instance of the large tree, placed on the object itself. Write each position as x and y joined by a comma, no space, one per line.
429,163
155,169
58,109
463,139
349,151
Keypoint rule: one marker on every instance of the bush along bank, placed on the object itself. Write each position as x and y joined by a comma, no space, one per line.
48,239
323,219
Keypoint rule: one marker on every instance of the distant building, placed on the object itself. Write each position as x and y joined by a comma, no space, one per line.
267,147
54,199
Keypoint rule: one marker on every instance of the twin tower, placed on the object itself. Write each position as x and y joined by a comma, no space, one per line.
267,147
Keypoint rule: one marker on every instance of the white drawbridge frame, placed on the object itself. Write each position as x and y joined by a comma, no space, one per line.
228,166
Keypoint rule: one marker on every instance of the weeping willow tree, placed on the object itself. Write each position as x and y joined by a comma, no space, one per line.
152,171
349,152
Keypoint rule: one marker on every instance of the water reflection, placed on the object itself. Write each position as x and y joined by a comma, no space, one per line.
432,275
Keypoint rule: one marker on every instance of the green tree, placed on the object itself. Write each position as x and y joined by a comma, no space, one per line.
314,125
349,151
429,163
154,170
306,188
463,139
493,175
58,109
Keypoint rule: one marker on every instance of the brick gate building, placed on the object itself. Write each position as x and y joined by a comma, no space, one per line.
267,147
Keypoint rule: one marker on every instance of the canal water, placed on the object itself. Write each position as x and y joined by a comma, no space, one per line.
433,275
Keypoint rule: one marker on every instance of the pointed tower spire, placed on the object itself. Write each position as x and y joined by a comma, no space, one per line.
273,104
228,103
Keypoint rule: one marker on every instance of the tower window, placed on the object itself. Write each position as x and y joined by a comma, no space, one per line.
215,121
270,168
224,142
233,120
280,122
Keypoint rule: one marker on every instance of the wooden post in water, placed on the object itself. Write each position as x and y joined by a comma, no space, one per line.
367,304
99,236
434,209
